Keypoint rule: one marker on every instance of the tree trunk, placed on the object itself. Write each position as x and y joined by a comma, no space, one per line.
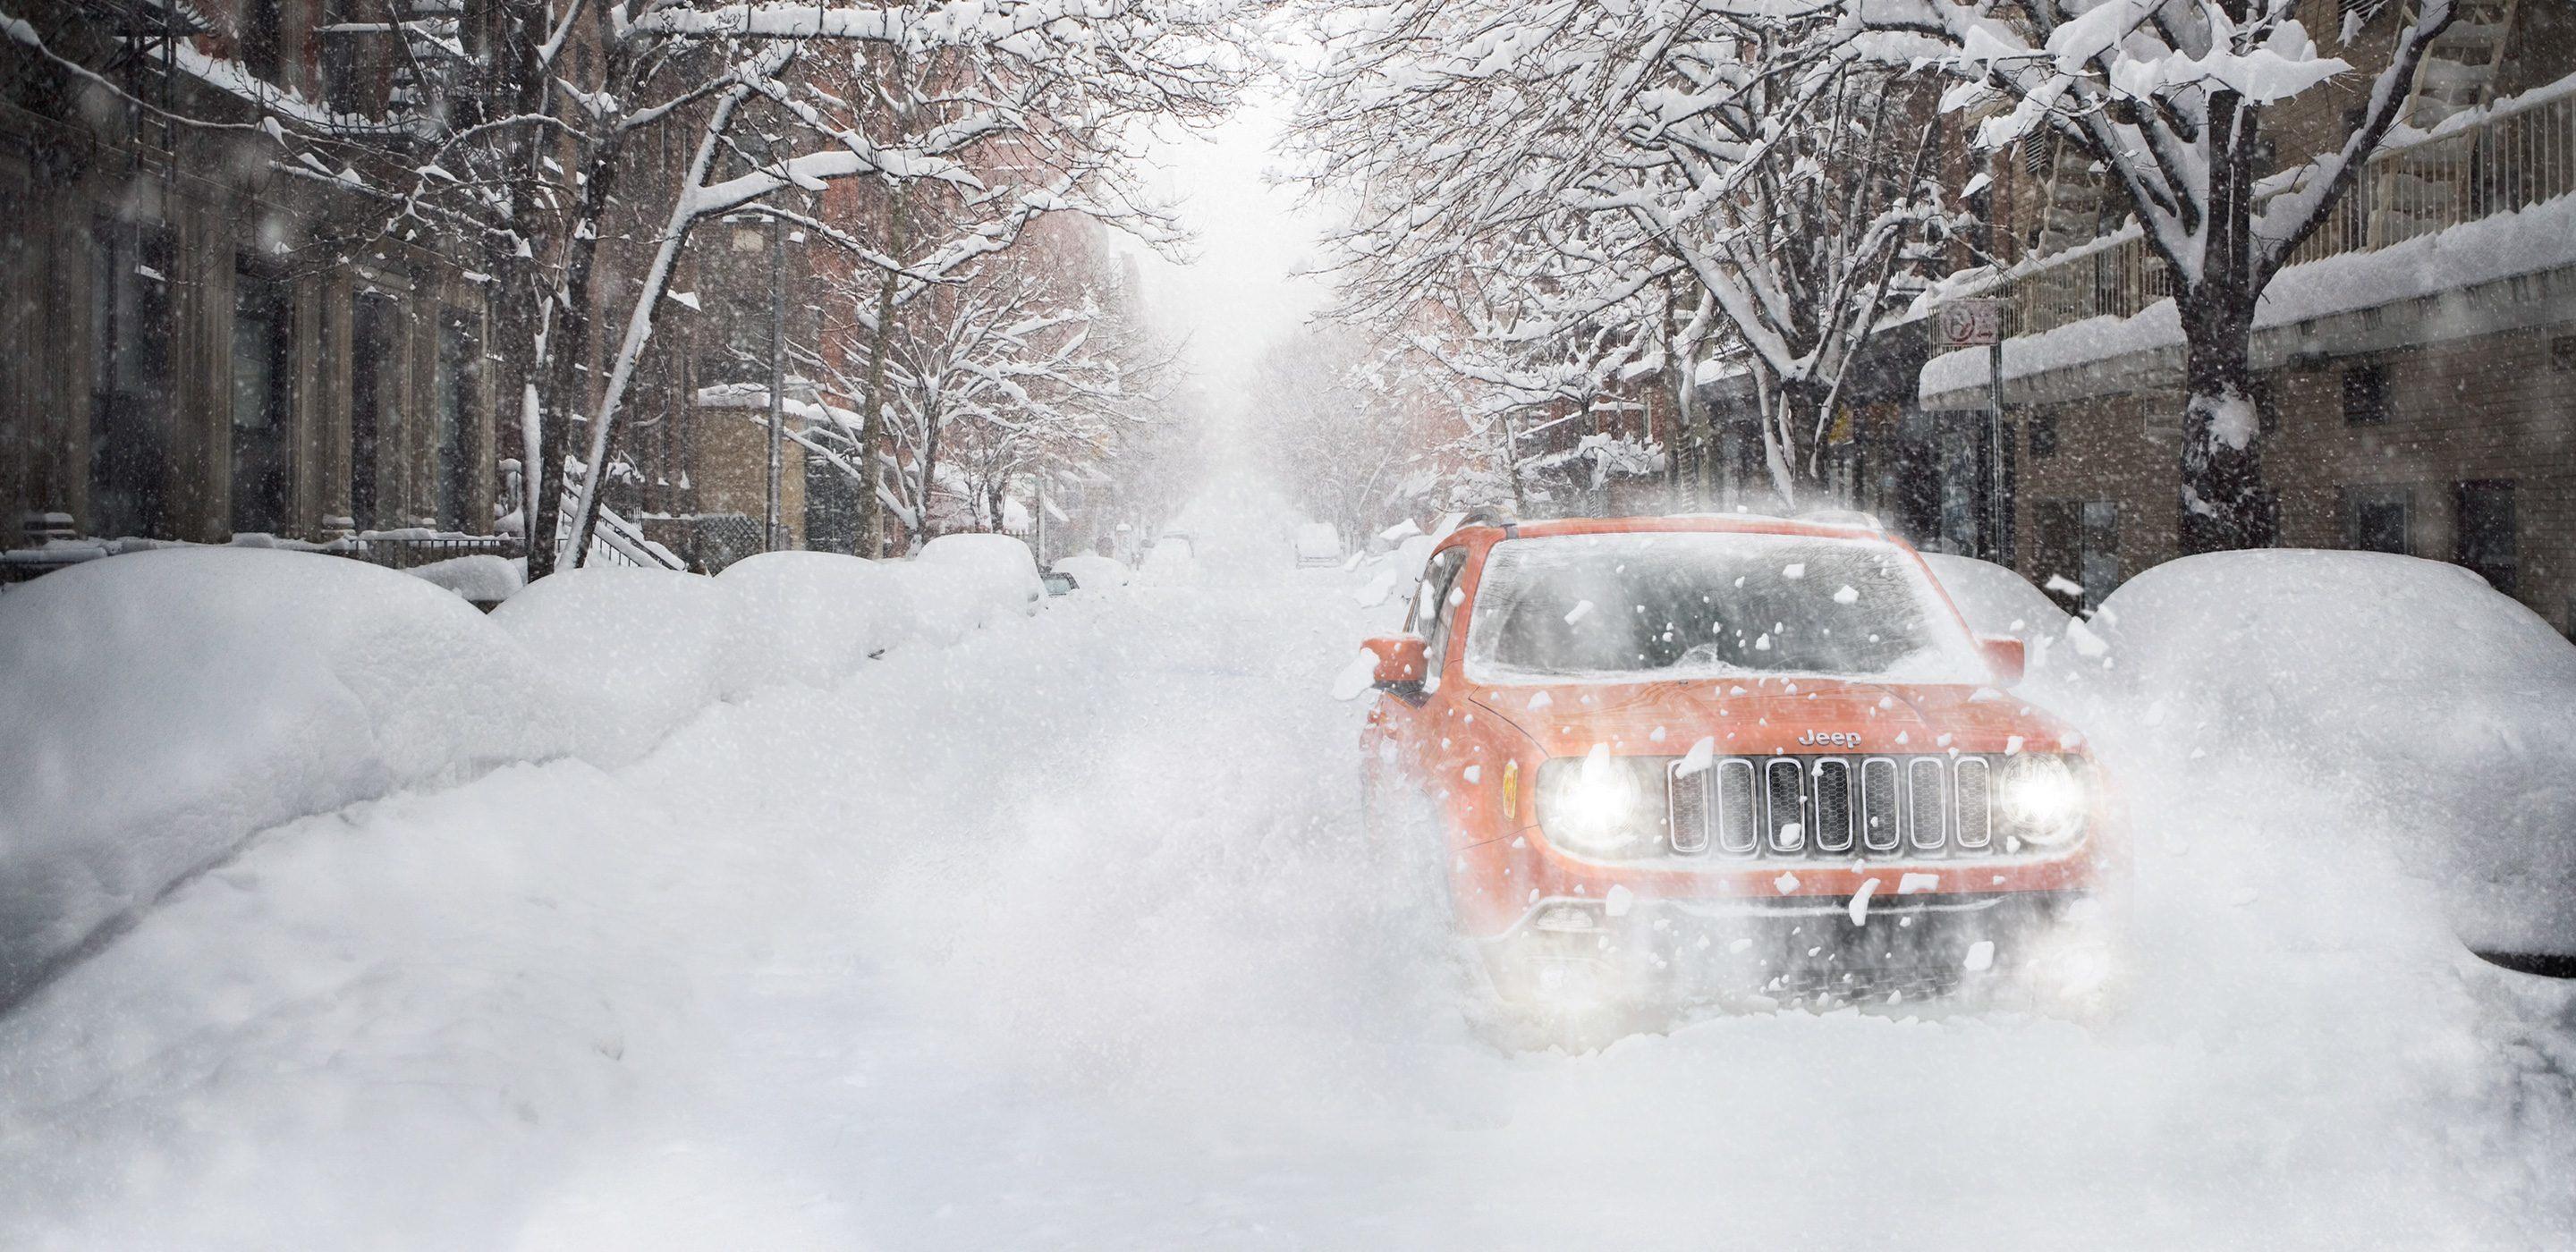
1789,415
505,38
871,523
1711,447
2224,505
929,482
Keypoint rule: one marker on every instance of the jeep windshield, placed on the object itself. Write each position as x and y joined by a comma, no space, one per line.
1678,605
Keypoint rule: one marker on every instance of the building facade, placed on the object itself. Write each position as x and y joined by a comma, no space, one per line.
198,341
2416,362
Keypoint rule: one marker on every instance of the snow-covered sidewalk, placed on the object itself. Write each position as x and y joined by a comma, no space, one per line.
1065,936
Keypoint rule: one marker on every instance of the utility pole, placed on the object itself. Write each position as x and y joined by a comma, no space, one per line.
776,535
1999,493
1970,324
1040,521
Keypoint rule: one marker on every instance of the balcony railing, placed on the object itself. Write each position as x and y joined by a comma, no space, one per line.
2510,157
2513,156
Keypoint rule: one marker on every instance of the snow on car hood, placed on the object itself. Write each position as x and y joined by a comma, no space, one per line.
1770,714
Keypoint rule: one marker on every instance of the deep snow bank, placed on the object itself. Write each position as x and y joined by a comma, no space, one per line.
2416,715
158,707
1088,950
811,617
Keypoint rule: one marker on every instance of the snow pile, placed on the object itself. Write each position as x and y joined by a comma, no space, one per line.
1169,563
966,582
645,648
482,579
2063,658
1132,976
1094,573
812,618
1997,601
157,708
1003,561
2417,715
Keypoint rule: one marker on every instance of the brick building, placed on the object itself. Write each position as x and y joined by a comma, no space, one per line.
196,341
2417,361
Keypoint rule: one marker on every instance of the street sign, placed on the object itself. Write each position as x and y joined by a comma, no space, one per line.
1969,324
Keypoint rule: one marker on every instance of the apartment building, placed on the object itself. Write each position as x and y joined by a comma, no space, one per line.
2417,361
198,340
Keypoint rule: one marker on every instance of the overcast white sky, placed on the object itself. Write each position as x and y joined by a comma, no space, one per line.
1237,297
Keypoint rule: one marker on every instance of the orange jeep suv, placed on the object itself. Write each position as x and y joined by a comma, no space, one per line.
1697,758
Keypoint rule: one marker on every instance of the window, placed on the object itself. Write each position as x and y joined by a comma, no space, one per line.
2484,537
2078,550
260,403
1435,605
2098,564
2043,435
2365,394
2377,519
129,430
1668,606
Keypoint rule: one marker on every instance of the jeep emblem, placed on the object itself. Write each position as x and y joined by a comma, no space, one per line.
1831,739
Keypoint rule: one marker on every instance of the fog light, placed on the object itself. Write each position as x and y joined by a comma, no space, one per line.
1567,916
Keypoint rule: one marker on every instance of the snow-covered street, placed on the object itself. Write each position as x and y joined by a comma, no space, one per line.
1065,936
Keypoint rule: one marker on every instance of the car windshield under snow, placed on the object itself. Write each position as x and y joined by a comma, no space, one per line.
1694,605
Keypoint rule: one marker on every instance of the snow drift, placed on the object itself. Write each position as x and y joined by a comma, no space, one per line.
812,617
2435,715
1094,573
2063,658
646,648
158,707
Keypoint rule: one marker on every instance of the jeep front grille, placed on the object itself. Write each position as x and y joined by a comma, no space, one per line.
1832,807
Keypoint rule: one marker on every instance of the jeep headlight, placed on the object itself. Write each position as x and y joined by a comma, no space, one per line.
1602,805
2042,799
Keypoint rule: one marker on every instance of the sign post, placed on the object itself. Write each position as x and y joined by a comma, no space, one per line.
1975,324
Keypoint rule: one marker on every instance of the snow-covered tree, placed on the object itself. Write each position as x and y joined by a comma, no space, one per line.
2170,98
1604,191
1016,369
562,151
1346,446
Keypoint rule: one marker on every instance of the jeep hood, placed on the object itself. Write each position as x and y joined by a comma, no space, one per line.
1748,716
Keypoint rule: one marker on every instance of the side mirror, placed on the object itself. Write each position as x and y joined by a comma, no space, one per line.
2005,655
1399,659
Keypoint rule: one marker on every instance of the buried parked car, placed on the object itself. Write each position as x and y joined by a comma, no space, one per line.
1170,563
2435,715
1318,545
999,562
1092,572
1685,758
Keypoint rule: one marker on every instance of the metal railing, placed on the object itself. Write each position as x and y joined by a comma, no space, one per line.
405,550
400,549
613,540
2512,156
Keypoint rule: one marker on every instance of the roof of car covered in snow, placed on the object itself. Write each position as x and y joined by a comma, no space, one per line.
1735,523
